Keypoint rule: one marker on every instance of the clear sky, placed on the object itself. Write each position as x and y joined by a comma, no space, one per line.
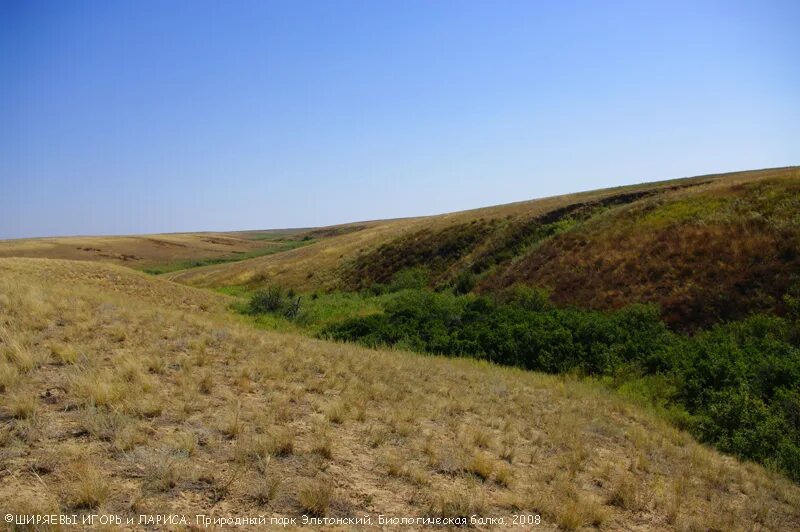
137,116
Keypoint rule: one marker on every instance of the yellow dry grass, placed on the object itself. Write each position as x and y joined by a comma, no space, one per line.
134,251
286,425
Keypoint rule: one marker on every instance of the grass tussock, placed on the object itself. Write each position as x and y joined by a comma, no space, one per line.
88,488
314,496
22,404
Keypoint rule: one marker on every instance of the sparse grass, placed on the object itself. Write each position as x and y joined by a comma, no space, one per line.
21,356
264,488
481,465
185,443
578,513
206,383
456,502
162,472
321,443
629,494
96,389
257,448
282,442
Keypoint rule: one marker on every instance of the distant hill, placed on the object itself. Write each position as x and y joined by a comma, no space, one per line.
159,252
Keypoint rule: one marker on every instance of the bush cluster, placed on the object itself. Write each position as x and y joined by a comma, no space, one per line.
735,386
273,300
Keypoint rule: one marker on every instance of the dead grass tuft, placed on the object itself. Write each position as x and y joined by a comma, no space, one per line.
23,404
314,496
456,502
9,376
89,488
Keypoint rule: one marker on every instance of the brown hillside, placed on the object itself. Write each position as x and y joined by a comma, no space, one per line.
705,254
143,250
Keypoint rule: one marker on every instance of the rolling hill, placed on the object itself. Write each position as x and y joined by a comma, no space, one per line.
158,253
704,249
127,394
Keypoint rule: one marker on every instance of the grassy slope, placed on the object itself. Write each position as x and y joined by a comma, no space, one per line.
160,252
705,254
131,395
707,248
321,265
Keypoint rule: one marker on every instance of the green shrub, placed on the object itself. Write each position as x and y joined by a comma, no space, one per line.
465,282
267,300
410,279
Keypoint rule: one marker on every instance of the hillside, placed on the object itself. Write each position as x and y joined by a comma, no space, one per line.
126,394
163,252
704,249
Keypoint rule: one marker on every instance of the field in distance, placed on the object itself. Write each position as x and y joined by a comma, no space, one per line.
159,253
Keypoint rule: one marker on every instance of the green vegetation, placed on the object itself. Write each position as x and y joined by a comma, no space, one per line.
716,349
276,246
733,386
435,250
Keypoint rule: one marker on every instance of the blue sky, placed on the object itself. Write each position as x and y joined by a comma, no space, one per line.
136,116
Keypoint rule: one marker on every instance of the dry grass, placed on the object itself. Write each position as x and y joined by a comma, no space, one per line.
314,496
88,488
328,429
22,404
135,251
